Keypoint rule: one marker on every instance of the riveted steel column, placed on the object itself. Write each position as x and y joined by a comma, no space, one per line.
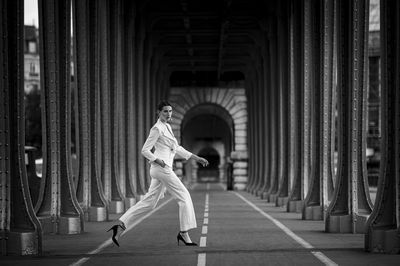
250,128
328,134
306,101
134,146
257,129
250,94
321,183
117,199
20,230
266,122
264,115
383,225
129,99
351,205
296,108
312,209
272,61
104,97
57,209
149,111
89,189
283,118
274,114
139,104
262,121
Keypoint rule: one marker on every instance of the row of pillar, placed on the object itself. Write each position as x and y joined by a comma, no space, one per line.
309,95
117,81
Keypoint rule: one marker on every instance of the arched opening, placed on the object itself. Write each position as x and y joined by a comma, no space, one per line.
207,130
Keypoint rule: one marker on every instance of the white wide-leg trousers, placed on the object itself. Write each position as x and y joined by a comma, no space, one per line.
161,179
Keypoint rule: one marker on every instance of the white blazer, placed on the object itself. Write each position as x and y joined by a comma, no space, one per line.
166,146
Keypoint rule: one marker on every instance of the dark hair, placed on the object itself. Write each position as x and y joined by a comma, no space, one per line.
162,104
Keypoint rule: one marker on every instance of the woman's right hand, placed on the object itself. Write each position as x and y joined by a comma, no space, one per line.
160,162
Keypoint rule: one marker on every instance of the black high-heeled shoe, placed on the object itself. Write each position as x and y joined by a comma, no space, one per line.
180,237
114,228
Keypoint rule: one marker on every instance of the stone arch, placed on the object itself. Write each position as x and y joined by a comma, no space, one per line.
234,102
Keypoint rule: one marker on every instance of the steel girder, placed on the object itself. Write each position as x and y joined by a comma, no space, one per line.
383,226
57,208
20,230
351,205
295,140
90,189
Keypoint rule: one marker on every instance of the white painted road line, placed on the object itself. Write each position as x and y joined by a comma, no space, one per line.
203,241
319,255
204,230
201,260
109,242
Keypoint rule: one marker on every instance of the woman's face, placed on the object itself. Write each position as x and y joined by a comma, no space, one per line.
166,114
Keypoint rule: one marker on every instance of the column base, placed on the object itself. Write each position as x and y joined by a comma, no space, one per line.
117,206
259,193
313,213
66,225
70,225
129,202
22,243
344,224
383,241
272,198
295,206
264,195
281,201
97,214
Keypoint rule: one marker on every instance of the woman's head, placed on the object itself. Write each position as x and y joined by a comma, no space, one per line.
164,111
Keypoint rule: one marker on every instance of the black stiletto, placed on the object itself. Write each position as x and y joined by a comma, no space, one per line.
114,228
180,237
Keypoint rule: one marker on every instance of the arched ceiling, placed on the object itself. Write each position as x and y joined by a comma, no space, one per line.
206,39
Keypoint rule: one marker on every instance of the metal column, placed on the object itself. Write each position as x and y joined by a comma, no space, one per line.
351,204
117,198
296,107
57,208
383,226
20,230
90,189
273,126
283,40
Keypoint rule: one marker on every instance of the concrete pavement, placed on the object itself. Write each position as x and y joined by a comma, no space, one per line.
234,228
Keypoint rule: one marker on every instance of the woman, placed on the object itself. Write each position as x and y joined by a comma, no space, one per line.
166,146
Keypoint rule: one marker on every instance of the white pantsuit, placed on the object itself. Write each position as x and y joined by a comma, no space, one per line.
166,146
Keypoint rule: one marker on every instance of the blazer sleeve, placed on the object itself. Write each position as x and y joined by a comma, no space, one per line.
183,153
149,144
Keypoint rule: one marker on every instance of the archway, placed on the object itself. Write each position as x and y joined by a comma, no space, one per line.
216,118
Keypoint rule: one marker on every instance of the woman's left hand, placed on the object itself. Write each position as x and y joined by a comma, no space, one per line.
203,161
